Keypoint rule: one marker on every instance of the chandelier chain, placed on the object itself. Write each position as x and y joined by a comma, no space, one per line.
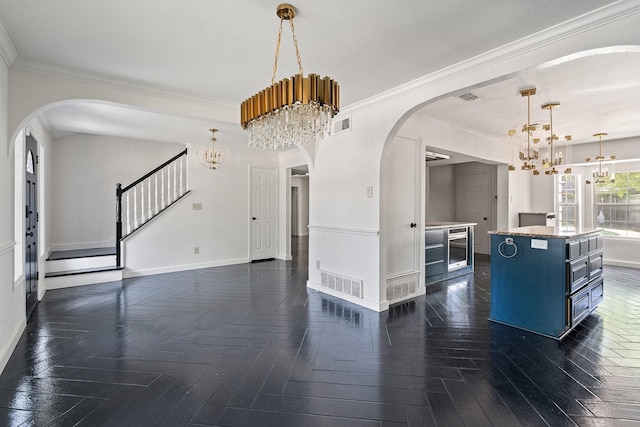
295,44
275,63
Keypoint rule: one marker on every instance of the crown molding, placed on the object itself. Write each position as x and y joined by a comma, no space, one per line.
564,30
121,84
7,51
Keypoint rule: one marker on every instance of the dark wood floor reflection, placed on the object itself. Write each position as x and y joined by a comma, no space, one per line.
249,345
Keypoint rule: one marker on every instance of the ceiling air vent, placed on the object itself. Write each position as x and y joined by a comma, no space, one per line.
469,96
342,125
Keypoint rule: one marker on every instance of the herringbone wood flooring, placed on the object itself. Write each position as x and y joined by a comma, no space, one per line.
249,345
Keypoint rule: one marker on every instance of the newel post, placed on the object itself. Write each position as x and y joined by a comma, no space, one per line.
118,223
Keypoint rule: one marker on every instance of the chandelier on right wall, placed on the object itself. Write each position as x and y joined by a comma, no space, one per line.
601,174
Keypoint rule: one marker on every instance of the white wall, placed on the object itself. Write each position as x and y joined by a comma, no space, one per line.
441,193
12,296
542,193
519,195
85,171
220,230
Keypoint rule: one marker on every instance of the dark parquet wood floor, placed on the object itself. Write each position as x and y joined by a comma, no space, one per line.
249,345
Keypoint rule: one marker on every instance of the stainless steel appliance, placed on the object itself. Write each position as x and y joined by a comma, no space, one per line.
458,247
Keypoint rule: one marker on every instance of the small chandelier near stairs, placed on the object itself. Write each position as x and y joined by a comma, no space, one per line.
212,155
291,111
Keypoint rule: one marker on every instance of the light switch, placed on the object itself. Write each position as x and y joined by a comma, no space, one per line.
369,192
197,206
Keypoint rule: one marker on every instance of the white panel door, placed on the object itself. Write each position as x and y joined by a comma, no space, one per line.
402,207
264,214
472,205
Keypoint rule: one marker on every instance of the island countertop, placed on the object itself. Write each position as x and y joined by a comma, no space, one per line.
546,231
446,224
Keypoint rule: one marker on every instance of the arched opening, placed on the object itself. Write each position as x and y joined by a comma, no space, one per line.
598,92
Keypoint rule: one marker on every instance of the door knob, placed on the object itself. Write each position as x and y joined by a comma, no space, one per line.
414,225
254,218
30,234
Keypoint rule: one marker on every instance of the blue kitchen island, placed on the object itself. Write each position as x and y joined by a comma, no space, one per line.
545,279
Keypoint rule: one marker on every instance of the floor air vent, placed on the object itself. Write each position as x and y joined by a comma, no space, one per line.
402,287
342,284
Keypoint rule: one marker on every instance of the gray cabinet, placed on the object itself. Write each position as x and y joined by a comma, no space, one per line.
448,251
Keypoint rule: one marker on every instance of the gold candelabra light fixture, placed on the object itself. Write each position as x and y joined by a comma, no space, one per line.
294,110
212,155
529,152
553,156
600,174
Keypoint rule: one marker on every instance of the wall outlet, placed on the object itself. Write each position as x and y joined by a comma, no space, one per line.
197,206
538,244
369,192
196,250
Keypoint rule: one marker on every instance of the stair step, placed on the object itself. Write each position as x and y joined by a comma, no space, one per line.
67,264
82,253
83,271
81,277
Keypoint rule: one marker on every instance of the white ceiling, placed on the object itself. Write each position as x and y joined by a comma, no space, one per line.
224,50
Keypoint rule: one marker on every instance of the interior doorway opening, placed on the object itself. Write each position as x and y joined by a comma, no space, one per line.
299,207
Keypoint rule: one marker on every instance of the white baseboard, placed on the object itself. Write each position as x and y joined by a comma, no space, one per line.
128,272
7,350
382,306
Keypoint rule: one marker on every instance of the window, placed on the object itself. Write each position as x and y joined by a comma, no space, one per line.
568,200
617,205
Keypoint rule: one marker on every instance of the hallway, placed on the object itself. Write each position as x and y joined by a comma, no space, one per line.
249,345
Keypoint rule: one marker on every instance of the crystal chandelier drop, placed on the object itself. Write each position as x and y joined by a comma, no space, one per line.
601,174
212,155
294,110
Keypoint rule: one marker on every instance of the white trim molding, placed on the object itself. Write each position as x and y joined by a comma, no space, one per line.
7,247
12,342
7,51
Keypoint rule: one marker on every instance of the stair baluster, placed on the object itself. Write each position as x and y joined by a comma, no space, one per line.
168,188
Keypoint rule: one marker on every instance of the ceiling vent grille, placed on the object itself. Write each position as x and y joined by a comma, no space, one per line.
469,96
342,125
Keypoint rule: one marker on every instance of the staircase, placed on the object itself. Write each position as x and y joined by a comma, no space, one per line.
82,267
136,205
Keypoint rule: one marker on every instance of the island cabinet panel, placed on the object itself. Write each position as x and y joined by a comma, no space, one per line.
544,280
577,273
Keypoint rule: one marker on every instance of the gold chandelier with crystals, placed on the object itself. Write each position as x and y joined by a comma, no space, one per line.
294,110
